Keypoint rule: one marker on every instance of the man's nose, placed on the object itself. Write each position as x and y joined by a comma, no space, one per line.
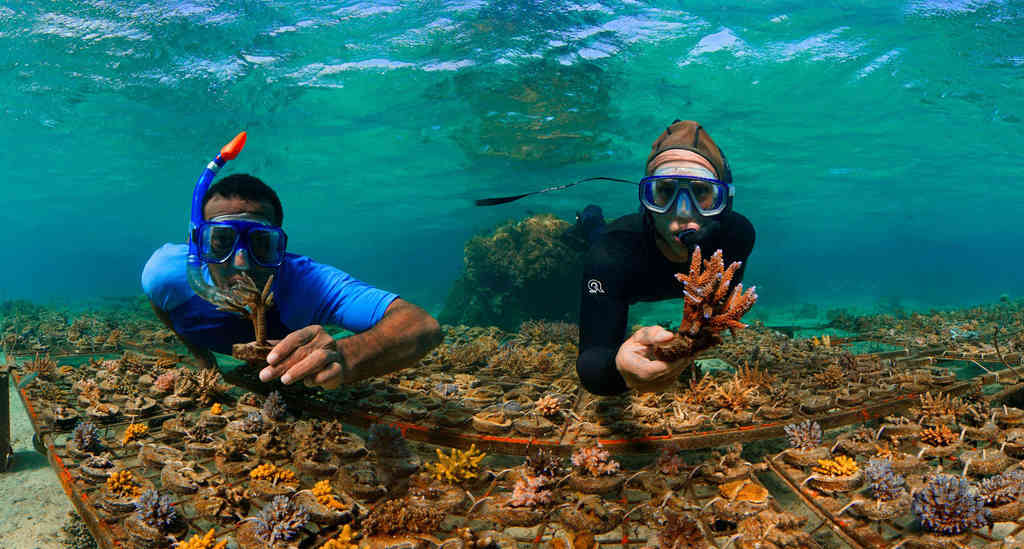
241,261
684,207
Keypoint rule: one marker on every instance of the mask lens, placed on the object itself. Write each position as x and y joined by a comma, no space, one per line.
663,192
706,195
265,246
218,241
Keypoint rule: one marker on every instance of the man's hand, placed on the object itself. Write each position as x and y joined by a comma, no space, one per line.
310,355
641,373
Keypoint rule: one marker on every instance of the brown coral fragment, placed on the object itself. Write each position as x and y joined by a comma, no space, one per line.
708,307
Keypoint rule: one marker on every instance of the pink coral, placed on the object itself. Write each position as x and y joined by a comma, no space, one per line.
595,461
529,492
165,381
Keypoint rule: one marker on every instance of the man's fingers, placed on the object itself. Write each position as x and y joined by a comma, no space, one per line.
314,362
328,373
653,335
292,341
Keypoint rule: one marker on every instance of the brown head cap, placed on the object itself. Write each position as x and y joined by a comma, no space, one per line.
688,135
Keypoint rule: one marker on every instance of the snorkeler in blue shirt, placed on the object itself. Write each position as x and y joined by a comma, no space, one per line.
235,228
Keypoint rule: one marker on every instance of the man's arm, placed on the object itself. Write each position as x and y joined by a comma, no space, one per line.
203,356
403,335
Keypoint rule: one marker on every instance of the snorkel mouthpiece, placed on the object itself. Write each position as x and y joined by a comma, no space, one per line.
196,280
687,237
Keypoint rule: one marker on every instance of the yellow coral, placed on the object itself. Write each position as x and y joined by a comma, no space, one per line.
841,466
342,541
276,475
205,542
323,492
134,432
216,409
123,484
458,466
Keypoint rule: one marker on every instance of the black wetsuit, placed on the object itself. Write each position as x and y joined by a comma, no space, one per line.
624,266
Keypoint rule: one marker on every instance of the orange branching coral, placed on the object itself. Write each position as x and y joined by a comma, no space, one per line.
754,377
733,394
134,431
708,306
939,405
841,466
325,496
939,436
123,484
276,475
205,542
343,540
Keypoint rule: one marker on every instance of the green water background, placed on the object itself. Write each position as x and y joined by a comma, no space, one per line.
875,145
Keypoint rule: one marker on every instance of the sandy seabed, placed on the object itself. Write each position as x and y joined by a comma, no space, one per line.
33,506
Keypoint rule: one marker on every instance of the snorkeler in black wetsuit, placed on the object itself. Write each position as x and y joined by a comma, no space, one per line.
687,199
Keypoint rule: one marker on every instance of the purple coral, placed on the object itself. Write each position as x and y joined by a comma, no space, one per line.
86,437
387,442
595,461
949,505
805,435
529,492
280,520
1003,488
253,423
156,511
885,484
273,407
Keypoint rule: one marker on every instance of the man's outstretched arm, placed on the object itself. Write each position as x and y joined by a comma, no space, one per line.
400,338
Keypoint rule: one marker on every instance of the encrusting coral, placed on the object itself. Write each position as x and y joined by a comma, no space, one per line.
325,496
341,540
949,505
457,466
273,474
205,542
840,466
708,306
122,484
805,435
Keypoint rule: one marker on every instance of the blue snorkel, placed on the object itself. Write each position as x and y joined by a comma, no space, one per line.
200,285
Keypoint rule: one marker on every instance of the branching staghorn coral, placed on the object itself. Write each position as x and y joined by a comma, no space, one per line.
280,520
708,306
939,436
156,511
885,484
1003,488
457,466
244,298
805,435
949,505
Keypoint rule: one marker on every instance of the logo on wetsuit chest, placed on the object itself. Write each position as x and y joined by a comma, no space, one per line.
594,286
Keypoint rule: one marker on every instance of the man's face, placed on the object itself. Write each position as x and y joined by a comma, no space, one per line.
224,274
671,223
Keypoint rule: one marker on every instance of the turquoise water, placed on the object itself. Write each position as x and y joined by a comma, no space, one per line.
875,145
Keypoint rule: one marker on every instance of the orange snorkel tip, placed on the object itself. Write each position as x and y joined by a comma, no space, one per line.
231,150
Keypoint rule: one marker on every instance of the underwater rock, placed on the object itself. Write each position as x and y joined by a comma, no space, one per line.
523,270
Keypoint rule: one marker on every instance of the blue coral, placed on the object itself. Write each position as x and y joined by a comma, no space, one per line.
1003,488
885,484
155,510
805,435
253,423
280,520
86,437
949,505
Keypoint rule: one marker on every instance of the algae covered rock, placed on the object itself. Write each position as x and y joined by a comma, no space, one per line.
526,269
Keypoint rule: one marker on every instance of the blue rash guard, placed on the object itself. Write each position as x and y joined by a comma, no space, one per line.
305,293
